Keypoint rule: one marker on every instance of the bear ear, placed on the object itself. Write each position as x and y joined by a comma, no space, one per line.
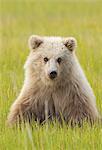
34,41
70,43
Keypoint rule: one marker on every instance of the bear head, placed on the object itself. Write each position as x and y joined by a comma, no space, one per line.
51,58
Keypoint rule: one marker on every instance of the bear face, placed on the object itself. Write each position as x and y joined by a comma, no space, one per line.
51,58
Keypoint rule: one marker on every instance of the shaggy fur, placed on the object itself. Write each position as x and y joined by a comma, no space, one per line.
69,97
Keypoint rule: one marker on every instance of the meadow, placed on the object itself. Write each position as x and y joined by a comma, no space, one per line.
18,20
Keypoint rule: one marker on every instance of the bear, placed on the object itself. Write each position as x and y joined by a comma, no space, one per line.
55,86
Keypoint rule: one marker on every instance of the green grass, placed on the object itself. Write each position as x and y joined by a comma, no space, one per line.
18,20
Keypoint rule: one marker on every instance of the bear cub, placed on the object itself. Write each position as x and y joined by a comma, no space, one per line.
55,86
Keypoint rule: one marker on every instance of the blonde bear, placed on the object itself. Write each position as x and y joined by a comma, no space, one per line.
55,86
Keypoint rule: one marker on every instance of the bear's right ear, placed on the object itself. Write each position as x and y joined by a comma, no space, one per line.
34,42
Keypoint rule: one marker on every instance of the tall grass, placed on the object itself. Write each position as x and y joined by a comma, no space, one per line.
18,20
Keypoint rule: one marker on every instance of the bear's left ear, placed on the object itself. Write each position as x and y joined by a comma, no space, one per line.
34,42
70,43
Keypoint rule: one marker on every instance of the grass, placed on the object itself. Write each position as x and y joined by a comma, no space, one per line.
18,20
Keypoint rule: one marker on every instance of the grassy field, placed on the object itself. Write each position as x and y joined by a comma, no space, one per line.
18,20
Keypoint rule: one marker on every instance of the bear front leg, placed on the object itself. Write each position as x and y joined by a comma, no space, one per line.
19,111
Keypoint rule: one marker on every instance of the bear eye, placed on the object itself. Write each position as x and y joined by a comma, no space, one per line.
59,60
46,59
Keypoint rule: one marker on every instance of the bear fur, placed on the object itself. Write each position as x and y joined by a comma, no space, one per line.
64,95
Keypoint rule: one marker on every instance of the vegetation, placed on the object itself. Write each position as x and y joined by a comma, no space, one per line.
18,20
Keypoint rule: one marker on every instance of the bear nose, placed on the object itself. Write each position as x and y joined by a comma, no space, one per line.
53,74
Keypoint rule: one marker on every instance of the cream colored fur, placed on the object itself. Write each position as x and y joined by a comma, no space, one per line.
69,97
